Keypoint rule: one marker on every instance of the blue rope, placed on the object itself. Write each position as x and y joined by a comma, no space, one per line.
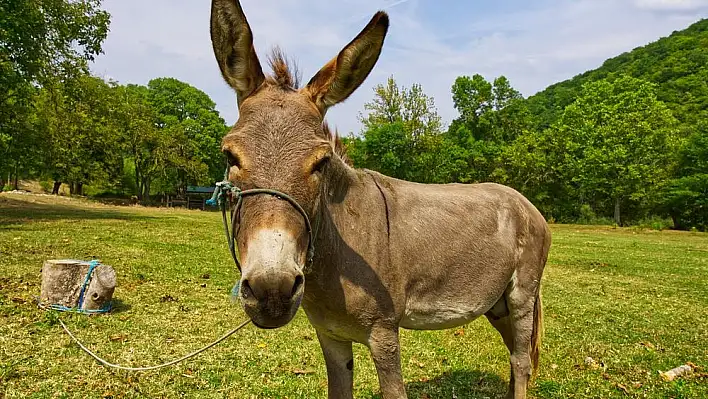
104,309
92,266
222,188
219,197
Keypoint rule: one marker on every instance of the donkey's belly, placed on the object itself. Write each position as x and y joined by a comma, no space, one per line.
432,316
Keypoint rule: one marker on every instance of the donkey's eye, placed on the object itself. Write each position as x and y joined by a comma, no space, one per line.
232,159
319,166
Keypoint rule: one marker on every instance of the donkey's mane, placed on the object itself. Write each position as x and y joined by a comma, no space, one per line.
287,76
339,148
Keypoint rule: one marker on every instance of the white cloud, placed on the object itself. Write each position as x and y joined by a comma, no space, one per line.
672,5
533,46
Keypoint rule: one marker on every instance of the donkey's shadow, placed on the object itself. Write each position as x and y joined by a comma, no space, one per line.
461,384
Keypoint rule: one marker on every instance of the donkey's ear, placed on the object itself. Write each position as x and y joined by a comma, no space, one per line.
232,40
338,79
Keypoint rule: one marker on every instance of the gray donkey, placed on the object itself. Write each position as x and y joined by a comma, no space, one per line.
383,253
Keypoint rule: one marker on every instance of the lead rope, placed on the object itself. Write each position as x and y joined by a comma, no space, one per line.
223,189
159,366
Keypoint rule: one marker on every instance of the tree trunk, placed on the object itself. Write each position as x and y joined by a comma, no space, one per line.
79,188
2,183
617,212
677,225
16,185
146,194
138,177
56,187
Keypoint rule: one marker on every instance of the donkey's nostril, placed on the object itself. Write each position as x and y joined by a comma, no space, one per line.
246,290
299,280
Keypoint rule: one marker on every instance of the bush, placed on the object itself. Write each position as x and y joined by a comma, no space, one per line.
686,201
47,185
656,223
588,216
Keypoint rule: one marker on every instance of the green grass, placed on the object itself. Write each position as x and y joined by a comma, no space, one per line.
634,300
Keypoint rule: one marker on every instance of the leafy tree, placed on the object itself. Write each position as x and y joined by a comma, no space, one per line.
492,115
77,123
192,130
685,197
37,38
616,140
142,140
412,107
535,166
402,135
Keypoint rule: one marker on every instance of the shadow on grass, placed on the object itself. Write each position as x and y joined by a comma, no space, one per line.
461,384
119,306
18,211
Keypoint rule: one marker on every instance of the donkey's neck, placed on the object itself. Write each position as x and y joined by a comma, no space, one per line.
354,222
352,255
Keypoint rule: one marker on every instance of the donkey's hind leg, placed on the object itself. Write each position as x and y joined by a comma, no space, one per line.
519,330
499,318
524,310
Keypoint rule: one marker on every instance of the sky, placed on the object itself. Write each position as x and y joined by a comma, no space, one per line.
430,42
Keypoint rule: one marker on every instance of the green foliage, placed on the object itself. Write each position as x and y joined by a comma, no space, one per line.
625,141
172,133
617,140
685,197
492,115
75,118
195,131
402,136
655,223
39,38
677,64
589,217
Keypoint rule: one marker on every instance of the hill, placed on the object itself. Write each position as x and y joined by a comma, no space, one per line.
678,64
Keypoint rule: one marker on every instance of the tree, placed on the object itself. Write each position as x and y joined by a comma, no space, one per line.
412,107
685,197
76,119
37,38
402,136
141,139
534,164
192,130
492,115
617,140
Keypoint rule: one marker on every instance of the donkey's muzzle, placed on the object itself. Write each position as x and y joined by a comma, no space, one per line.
270,298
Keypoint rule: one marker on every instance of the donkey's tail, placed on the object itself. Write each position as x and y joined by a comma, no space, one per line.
536,333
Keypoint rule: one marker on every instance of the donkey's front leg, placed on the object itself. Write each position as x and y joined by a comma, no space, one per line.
386,353
340,365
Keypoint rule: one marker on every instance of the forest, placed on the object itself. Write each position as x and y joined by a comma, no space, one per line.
626,143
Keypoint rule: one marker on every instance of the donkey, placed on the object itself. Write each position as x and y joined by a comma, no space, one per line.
388,253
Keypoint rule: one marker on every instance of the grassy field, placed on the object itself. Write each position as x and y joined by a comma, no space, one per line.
634,301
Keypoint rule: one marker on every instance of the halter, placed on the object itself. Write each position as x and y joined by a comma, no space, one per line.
226,189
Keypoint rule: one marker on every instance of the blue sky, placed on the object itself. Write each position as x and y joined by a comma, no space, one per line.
431,42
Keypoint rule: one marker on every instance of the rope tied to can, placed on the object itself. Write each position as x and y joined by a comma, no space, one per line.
93,264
